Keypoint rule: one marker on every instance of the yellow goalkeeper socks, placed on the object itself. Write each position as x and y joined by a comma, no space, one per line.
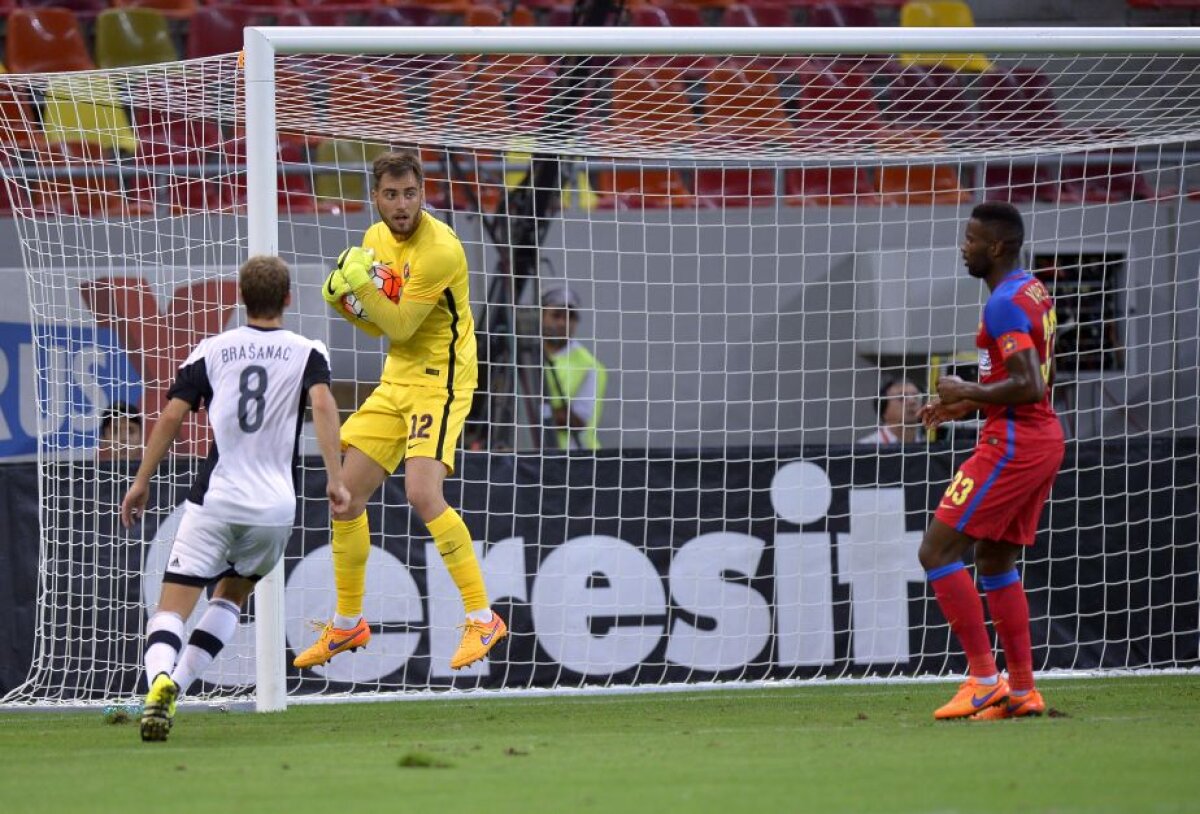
454,543
351,546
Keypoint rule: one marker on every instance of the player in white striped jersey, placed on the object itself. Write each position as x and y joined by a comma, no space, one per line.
255,382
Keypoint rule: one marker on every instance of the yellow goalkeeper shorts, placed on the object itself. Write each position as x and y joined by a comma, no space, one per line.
399,421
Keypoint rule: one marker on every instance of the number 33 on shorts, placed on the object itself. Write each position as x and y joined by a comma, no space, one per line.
959,490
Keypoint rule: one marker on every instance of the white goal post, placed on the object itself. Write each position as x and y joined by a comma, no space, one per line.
755,262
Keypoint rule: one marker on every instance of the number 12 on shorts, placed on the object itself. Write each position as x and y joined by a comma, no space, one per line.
420,426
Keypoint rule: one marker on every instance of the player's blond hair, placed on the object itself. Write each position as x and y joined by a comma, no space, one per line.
398,163
264,282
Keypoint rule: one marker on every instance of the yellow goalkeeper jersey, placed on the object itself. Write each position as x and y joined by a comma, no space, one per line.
433,266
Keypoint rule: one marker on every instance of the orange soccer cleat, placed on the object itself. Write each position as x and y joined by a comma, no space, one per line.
333,641
971,698
478,638
1031,704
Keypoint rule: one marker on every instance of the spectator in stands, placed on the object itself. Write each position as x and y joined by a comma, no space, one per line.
120,436
899,409
574,379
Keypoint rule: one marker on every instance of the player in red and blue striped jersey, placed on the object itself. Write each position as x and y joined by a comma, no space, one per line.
996,498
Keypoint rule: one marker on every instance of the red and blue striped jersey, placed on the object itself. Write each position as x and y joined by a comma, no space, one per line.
1019,314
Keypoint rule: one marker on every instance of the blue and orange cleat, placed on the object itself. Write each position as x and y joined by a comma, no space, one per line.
971,698
477,639
1029,705
333,641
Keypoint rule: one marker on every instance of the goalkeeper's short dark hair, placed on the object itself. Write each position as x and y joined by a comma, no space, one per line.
1004,220
398,162
264,282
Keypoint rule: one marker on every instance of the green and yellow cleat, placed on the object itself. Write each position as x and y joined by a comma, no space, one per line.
158,713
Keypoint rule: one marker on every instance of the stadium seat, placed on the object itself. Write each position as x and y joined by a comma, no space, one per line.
1019,100
217,30
84,10
87,108
917,184
19,127
133,36
650,104
647,16
520,85
1022,183
681,15
829,15
395,15
485,16
718,188
763,16
223,193
89,183
834,106
166,138
642,189
342,172
828,186
1108,179
311,16
45,40
175,9
745,104
450,99
940,14
929,97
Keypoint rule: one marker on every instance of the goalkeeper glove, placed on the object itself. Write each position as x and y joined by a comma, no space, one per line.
335,288
355,265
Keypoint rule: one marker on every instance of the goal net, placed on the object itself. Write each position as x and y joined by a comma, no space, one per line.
760,246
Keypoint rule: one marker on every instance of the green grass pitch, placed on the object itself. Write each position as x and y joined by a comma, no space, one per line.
1111,745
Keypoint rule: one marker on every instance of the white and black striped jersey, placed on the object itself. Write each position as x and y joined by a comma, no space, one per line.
254,383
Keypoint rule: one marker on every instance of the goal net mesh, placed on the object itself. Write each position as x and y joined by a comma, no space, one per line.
757,245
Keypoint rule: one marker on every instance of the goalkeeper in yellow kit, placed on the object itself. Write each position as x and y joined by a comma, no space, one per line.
417,412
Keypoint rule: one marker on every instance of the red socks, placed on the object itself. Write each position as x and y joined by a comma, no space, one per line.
1010,615
960,604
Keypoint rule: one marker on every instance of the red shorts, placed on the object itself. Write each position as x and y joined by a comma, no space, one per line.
997,495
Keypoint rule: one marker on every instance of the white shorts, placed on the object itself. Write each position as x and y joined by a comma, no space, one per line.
205,549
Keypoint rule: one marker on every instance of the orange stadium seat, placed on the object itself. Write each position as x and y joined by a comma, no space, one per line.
133,36
917,184
745,105
642,189
519,85
650,104
44,40
450,98
828,186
